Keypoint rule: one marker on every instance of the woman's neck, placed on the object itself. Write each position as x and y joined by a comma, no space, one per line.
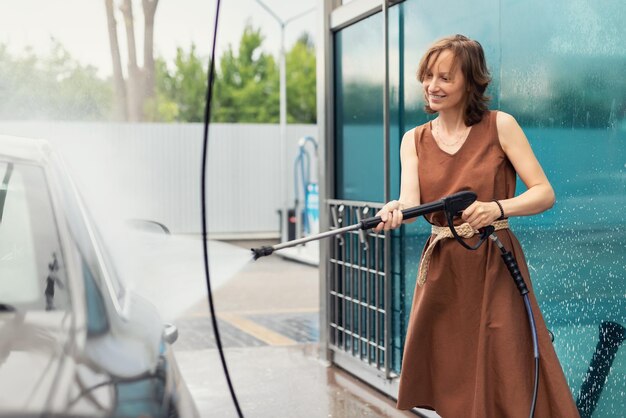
452,120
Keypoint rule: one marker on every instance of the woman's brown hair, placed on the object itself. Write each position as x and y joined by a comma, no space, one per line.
470,55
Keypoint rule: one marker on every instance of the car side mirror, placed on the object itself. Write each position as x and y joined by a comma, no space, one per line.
170,333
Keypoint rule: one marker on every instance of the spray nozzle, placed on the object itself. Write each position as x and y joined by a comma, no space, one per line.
262,251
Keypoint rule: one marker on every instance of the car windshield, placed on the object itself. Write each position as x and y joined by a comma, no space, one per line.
32,273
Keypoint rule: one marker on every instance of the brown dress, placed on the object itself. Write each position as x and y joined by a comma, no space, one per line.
468,350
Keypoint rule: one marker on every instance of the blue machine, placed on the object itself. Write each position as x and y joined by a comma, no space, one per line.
307,214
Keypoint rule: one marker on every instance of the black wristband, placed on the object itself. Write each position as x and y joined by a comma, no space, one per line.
501,210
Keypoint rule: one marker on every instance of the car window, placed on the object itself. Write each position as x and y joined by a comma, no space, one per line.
32,272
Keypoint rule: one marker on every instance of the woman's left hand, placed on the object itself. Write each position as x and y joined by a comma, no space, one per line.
481,214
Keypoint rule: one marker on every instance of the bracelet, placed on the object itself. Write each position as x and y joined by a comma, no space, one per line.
501,210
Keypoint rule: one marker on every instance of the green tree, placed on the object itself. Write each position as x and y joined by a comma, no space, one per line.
301,97
54,86
246,85
180,91
246,88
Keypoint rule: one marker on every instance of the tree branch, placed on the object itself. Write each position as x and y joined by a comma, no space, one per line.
149,12
127,10
135,77
118,76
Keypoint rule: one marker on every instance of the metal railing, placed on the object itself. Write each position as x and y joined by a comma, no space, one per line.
359,288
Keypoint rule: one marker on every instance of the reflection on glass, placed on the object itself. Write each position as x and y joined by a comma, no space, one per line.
359,142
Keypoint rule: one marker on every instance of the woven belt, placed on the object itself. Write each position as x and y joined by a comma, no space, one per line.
441,232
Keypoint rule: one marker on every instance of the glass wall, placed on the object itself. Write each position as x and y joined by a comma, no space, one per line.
359,129
558,67
562,76
358,111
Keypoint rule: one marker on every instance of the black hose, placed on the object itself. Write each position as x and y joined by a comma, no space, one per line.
516,274
205,147
610,338
533,329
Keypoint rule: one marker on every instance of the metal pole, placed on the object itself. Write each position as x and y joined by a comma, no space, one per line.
387,191
283,117
283,133
325,111
316,237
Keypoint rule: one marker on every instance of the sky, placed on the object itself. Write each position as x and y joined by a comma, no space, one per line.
81,26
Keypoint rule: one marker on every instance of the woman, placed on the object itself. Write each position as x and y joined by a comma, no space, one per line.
468,350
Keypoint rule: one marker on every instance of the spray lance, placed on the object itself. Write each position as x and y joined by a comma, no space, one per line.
452,206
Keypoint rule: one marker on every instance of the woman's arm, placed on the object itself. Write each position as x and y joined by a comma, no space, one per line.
409,186
539,196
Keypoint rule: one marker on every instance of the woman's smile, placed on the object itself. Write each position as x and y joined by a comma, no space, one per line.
444,83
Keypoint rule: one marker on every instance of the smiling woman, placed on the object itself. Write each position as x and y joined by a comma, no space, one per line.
461,303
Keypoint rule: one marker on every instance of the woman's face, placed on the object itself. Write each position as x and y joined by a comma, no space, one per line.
444,84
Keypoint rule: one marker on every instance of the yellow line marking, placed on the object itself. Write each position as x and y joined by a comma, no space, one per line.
274,311
280,311
256,330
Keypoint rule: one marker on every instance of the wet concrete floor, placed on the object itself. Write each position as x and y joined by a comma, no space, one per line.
268,315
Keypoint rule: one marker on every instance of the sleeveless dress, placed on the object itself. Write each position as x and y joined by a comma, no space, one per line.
468,350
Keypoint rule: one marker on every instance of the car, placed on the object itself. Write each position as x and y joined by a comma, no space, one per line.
74,340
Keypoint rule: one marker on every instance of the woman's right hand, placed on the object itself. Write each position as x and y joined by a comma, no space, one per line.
391,216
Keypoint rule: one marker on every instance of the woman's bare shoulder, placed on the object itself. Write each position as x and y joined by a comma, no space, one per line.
416,131
409,134
505,121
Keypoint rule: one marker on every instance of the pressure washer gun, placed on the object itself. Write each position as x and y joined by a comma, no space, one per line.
452,205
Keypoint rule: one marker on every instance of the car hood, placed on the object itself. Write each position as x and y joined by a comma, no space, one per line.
33,348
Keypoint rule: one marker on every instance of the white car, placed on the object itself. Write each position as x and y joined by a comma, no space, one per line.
73,340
